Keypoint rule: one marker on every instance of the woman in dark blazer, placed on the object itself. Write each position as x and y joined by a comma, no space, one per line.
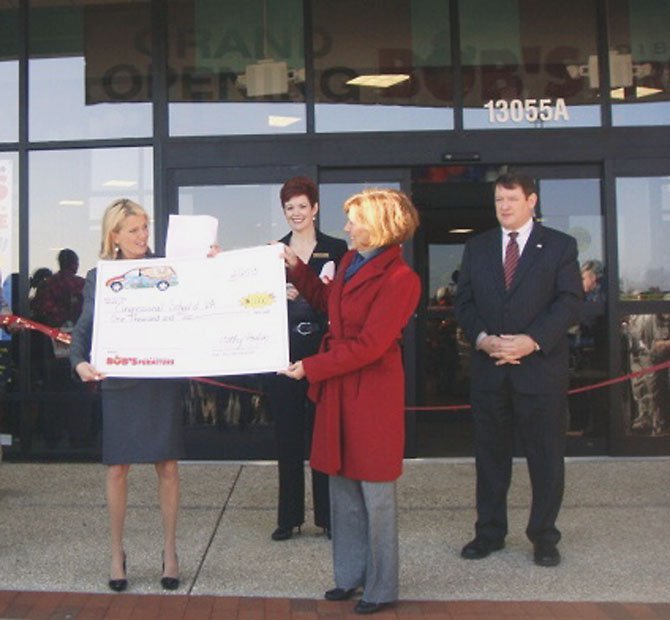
141,418
358,384
292,412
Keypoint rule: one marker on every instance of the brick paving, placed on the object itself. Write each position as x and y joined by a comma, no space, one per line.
81,606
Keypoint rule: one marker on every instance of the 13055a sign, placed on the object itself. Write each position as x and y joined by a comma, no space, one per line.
526,110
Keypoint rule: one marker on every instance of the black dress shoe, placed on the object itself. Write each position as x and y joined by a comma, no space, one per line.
480,547
363,607
283,533
546,554
168,583
119,585
339,594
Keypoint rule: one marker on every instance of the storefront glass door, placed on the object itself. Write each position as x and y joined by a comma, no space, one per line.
456,202
228,417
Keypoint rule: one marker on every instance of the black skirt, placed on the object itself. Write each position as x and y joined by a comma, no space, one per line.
142,422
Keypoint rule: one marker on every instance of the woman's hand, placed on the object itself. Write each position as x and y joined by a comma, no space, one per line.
294,371
290,257
292,292
214,249
87,372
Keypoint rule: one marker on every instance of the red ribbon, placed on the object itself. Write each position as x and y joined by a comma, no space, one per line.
57,334
228,386
18,321
579,390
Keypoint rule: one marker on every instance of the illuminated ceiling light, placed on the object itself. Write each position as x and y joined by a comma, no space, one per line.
119,183
379,81
282,121
71,203
640,91
461,231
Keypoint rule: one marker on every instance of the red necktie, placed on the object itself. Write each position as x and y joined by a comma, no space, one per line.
511,258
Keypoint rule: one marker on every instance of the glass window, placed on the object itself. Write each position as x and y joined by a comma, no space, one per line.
574,206
382,65
10,351
260,220
236,67
69,191
640,61
527,65
643,225
646,342
332,197
9,72
9,224
90,69
220,419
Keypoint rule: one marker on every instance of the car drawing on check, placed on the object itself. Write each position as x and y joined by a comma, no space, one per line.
162,277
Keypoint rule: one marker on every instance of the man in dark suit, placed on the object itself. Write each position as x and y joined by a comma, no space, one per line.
517,296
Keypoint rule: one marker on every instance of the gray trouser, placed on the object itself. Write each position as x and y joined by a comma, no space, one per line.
364,526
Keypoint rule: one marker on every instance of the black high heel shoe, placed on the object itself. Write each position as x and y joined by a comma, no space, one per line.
168,583
283,533
119,585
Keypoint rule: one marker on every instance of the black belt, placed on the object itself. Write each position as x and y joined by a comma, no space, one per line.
305,328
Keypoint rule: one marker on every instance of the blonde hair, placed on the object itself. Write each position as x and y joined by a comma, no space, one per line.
388,214
112,221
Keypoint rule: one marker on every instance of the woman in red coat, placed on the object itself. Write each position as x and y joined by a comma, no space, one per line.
357,382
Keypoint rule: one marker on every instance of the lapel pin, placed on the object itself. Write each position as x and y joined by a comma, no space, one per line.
539,246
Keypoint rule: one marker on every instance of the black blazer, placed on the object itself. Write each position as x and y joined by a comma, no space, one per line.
82,334
544,300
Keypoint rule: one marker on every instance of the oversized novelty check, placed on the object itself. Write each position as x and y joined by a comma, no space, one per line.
163,317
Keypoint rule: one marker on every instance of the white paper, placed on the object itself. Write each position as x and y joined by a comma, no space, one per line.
190,236
328,271
165,317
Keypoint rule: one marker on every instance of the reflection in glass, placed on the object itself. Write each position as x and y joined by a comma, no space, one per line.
89,71
643,230
69,191
236,67
589,352
248,214
9,72
574,207
639,61
382,66
447,351
332,197
524,64
646,342
593,281
9,217
10,351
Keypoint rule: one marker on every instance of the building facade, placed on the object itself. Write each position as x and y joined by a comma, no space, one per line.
207,106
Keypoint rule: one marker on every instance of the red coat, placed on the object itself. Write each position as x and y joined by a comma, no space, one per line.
357,379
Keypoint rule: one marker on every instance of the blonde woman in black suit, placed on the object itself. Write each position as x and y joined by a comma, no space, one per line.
141,418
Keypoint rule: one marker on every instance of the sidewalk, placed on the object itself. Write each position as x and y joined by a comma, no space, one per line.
616,548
